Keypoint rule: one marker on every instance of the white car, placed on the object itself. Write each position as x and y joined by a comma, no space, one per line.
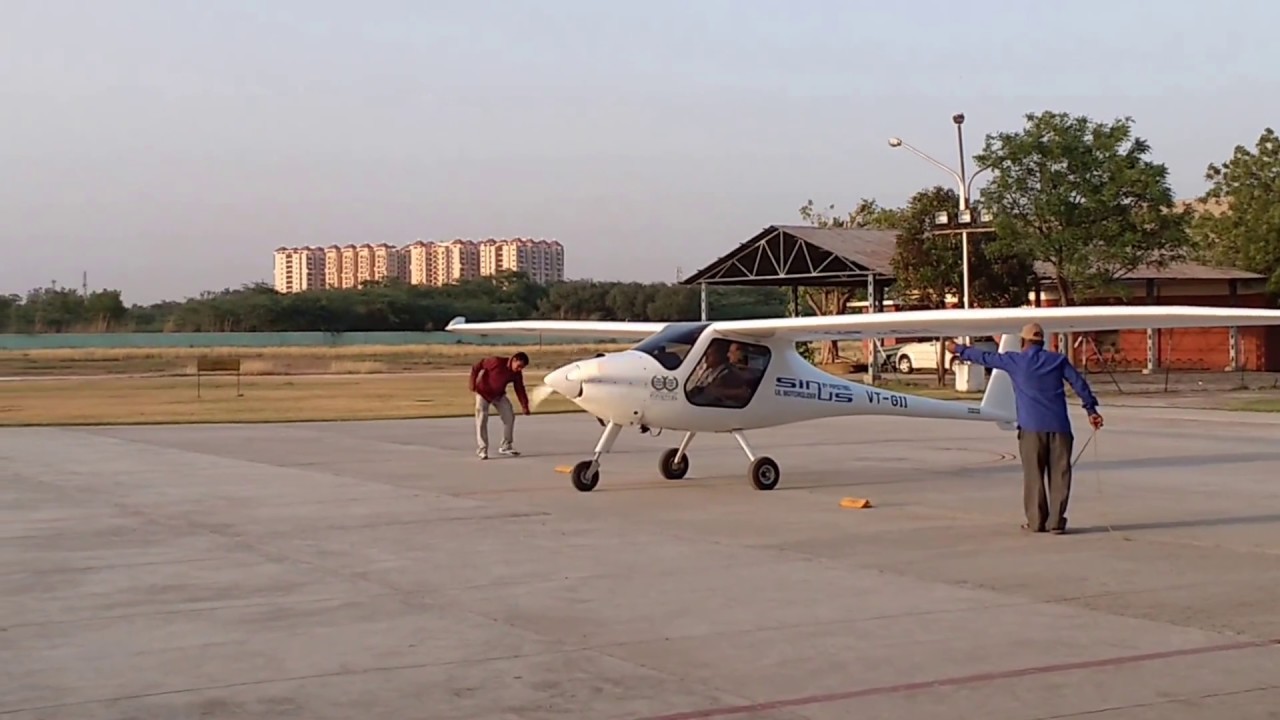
922,355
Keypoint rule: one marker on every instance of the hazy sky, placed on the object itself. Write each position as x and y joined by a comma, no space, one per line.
168,146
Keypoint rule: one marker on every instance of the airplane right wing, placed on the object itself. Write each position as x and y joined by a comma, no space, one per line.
996,321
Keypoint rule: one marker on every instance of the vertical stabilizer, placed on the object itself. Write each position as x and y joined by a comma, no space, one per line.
998,401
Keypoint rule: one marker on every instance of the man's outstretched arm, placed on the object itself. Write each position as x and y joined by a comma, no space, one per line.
1084,392
993,360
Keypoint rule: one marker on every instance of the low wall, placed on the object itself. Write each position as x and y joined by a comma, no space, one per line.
52,341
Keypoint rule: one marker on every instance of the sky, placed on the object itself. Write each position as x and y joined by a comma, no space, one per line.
167,147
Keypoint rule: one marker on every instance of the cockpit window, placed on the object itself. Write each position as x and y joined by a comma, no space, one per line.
672,344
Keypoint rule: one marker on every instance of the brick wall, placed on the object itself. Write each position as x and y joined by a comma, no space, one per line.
1201,349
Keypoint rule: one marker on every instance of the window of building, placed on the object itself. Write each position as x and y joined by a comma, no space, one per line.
728,374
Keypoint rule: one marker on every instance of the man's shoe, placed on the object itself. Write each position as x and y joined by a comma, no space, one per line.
509,451
482,454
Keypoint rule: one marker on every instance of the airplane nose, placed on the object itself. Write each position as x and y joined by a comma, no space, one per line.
565,380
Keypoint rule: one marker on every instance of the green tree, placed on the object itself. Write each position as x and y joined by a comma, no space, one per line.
928,267
1083,197
868,213
1239,223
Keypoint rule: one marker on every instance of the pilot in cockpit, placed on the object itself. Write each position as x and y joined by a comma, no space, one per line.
717,381
666,357
738,358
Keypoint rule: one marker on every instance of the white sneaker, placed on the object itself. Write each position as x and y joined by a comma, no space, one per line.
482,454
509,451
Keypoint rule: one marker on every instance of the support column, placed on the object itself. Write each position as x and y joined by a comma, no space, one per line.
869,345
969,378
1233,351
1153,336
704,302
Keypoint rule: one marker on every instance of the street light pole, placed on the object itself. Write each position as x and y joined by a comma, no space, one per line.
958,119
965,380
964,187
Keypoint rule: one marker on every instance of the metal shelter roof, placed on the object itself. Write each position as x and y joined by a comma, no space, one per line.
803,255
785,255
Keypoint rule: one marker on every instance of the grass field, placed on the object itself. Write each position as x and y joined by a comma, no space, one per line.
76,387
367,359
1258,405
130,401
290,398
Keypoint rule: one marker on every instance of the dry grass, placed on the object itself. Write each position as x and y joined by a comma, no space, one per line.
365,359
1267,405
131,401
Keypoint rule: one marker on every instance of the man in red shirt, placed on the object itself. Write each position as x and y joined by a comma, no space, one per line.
489,380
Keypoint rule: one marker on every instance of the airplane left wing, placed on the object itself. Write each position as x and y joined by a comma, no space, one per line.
995,321
558,328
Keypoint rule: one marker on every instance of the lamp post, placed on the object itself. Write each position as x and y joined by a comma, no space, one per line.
965,380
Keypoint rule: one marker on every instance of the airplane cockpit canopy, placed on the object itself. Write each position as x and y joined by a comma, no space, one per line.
672,344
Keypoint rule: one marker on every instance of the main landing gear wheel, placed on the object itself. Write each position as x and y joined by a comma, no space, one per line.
765,473
585,478
670,469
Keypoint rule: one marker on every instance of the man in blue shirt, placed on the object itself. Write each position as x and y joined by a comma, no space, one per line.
1045,438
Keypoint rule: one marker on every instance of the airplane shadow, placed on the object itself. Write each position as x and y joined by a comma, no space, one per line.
1176,524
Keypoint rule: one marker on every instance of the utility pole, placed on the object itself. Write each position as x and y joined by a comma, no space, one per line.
966,381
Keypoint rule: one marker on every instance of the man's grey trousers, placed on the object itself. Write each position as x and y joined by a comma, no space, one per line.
1046,453
505,411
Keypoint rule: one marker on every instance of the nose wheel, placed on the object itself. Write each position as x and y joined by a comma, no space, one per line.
586,474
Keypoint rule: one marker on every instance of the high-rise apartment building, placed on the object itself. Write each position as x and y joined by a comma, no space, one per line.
419,263
541,260
333,266
299,269
454,261
418,260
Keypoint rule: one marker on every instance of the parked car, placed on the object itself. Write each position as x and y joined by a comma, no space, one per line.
922,355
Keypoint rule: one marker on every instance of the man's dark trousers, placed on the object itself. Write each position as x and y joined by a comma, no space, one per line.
1046,452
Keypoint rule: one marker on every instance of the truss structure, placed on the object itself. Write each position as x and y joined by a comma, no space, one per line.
781,257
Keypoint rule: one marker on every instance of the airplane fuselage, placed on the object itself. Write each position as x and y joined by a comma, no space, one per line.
772,384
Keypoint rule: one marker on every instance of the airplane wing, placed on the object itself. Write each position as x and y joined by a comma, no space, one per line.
558,328
994,321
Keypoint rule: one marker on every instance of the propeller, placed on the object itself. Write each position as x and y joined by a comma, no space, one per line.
565,381
539,394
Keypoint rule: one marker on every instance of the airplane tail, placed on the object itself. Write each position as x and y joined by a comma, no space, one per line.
998,401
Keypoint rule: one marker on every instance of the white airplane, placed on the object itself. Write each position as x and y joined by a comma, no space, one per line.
763,381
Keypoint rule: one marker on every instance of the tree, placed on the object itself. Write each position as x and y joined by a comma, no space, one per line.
928,267
1082,197
866,214
1239,223
833,300
378,306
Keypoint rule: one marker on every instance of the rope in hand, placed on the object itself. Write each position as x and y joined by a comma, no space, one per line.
1097,474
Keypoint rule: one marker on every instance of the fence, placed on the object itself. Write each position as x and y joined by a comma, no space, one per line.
113,341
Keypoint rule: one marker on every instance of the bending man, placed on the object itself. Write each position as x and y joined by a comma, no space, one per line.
489,380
